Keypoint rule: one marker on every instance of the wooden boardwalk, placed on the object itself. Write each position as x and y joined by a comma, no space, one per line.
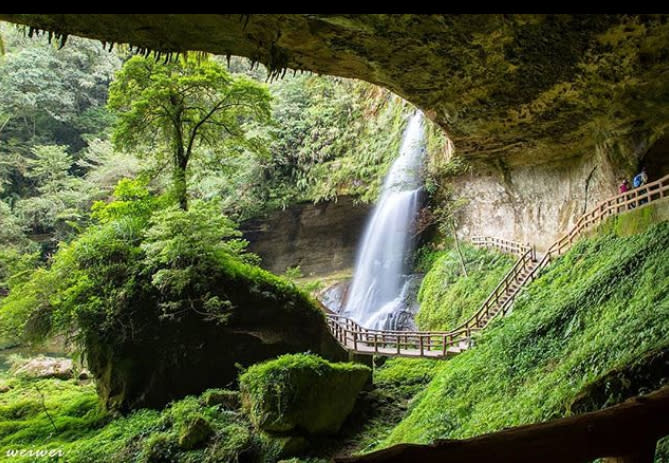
442,344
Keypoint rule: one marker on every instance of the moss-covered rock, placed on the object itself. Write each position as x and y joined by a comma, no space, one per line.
195,433
46,367
301,393
228,399
169,358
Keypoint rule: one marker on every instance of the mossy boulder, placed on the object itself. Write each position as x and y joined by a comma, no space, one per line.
227,399
168,358
195,433
301,393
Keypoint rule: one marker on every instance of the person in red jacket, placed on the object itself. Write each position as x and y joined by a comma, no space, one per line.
624,187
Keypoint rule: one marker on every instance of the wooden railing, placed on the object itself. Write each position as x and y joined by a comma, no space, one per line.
526,269
621,203
508,246
505,291
403,343
438,343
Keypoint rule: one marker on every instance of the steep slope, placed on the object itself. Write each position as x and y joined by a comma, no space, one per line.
447,297
600,307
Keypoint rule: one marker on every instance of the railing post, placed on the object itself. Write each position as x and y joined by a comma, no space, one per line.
355,340
444,346
420,340
376,344
398,344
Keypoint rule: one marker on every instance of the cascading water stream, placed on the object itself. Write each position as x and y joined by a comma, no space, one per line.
379,282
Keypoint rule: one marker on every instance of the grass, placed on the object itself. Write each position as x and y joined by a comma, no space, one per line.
599,307
447,297
377,412
84,433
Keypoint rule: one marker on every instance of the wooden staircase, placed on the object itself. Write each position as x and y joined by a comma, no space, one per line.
441,344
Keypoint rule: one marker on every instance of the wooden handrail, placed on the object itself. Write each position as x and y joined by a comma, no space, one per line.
443,343
615,205
512,247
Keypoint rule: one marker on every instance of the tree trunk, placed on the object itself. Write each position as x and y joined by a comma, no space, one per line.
179,177
629,429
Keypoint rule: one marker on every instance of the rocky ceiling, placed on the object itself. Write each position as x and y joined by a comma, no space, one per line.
522,88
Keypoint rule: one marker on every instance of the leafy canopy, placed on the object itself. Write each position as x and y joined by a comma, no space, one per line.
139,253
176,109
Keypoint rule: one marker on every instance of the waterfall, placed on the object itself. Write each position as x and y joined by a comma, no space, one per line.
379,282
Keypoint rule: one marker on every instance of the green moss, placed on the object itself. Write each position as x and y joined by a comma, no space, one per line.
636,220
186,431
301,392
164,302
599,307
405,377
448,298
227,399
647,373
195,433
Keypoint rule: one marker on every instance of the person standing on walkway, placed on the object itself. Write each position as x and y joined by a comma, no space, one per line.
639,180
624,187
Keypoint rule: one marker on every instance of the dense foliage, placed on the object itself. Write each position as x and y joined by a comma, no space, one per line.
178,108
599,307
140,247
447,297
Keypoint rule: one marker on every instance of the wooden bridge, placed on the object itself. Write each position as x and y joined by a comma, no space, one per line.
441,344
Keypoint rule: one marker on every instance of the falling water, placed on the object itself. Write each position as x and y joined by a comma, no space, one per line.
379,284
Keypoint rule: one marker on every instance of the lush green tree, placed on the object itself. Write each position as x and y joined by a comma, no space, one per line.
141,250
59,197
105,167
17,253
11,227
178,108
54,96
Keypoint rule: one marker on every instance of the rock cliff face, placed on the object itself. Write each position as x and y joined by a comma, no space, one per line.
320,238
533,204
538,203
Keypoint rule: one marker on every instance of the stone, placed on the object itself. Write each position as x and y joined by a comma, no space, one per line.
170,358
195,433
531,87
46,367
84,375
301,394
319,238
227,399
